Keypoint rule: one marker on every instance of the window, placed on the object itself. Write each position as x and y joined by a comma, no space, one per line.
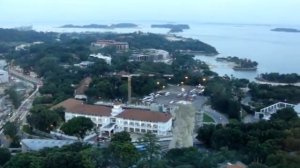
137,124
131,123
125,123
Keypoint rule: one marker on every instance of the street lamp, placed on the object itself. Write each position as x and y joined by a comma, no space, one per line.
186,77
204,79
157,83
181,83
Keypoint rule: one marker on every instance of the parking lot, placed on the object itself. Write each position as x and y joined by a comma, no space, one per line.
174,93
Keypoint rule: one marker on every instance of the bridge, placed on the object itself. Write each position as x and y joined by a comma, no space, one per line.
265,113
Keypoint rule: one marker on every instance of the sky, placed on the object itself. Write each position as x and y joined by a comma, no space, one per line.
31,12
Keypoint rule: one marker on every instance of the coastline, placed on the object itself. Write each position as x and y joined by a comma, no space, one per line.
276,83
243,39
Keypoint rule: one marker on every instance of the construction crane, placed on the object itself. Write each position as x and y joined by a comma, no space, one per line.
129,77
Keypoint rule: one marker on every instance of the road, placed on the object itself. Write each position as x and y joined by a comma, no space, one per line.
216,116
22,111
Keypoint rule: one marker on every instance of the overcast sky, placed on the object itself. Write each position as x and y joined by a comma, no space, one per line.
20,12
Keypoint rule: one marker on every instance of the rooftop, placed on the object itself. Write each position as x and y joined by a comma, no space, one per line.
38,144
78,107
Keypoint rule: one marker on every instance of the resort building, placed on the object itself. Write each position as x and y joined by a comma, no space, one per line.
111,119
111,43
151,55
265,113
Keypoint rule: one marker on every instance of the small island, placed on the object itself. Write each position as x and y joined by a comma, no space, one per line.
98,26
174,28
279,78
240,64
288,30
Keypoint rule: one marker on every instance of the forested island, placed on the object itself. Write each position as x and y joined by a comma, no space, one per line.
288,30
174,28
99,26
279,78
240,64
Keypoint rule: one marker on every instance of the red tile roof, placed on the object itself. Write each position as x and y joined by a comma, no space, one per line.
144,115
78,107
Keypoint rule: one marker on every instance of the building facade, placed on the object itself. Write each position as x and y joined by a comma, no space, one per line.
111,43
266,113
111,119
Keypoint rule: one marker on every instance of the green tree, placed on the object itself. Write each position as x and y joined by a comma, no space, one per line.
25,160
78,126
286,114
4,156
10,130
121,137
44,119
123,154
14,96
152,150
63,159
205,133
93,157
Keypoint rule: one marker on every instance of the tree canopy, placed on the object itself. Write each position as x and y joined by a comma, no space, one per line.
77,126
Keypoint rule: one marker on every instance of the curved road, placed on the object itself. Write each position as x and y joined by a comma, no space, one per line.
216,116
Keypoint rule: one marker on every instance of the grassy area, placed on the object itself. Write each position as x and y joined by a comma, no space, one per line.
207,118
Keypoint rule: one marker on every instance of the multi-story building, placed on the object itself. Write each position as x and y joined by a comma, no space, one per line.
111,43
151,55
111,119
266,113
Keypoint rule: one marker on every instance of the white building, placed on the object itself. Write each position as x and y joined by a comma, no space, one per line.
115,119
152,55
111,43
265,113
107,59
3,76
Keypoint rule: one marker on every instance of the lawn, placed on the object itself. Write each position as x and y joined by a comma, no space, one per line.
207,118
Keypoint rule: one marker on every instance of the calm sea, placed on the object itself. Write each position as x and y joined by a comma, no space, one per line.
274,51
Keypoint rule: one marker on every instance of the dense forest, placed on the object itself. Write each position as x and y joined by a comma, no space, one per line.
281,78
274,143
